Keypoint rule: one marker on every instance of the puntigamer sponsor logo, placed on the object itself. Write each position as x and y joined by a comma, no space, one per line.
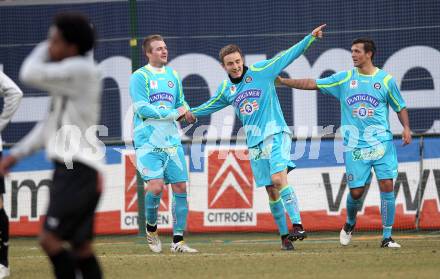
161,97
364,98
252,93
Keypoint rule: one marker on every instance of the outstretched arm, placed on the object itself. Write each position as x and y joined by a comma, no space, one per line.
273,67
26,146
304,84
215,103
330,85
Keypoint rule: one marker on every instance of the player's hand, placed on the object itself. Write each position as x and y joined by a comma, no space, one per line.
6,164
190,118
317,32
406,136
279,81
181,110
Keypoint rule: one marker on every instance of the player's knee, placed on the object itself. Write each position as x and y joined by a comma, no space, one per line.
155,186
272,192
386,185
179,187
278,181
50,243
155,191
356,194
83,250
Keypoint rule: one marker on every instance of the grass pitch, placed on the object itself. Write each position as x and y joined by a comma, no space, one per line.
250,255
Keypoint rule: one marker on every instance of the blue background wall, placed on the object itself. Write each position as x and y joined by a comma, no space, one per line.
205,26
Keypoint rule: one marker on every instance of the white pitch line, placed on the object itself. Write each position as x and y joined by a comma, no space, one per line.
232,254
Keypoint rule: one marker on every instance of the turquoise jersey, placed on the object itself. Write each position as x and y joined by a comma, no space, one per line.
364,101
254,99
156,97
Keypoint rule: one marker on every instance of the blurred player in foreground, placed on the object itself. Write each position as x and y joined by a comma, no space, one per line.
158,101
12,95
251,91
365,94
62,67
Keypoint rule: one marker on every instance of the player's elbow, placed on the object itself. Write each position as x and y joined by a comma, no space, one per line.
28,75
18,93
15,93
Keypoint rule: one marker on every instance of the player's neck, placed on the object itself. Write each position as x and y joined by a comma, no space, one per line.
367,70
156,67
240,78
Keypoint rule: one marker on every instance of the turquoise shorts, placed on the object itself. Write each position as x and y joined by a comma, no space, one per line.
166,163
359,161
270,156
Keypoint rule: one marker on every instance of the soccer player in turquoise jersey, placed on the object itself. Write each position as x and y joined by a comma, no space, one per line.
251,91
158,101
365,94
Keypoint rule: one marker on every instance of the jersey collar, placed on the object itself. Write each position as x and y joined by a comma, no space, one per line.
239,79
360,74
155,69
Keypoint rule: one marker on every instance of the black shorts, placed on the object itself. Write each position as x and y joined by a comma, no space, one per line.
2,180
74,194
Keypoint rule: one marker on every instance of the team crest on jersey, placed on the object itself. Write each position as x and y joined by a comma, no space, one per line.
154,84
353,84
363,111
246,95
248,79
162,105
233,89
170,84
249,108
377,85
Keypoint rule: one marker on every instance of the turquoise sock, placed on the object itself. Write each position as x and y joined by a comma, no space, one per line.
180,212
353,207
387,210
152,203
290,203
277,209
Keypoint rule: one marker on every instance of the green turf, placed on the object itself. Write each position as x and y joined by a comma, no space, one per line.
250,256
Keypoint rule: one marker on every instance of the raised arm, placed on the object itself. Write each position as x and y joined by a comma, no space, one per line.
39,72
274,66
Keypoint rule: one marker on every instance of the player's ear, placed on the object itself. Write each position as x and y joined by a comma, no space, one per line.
146,54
